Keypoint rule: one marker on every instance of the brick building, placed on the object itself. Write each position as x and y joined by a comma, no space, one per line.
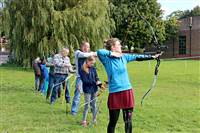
187,42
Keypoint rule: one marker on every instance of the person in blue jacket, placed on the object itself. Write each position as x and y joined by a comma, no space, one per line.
90,80
44,76
121,94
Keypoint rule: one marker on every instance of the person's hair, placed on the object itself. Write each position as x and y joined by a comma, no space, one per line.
110,42
83,43
37,59
65,49
42,59
90,58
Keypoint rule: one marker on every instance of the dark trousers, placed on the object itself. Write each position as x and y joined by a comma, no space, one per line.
41,86
114,115
58,79
37,82
50,86
67,95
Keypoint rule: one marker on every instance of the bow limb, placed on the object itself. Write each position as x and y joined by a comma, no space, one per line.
154,80
157,59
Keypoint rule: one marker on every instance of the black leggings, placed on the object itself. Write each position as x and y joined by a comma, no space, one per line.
114,115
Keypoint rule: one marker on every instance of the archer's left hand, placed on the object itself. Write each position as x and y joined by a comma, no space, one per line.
157,55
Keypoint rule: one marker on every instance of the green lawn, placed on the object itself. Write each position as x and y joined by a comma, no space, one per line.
173,105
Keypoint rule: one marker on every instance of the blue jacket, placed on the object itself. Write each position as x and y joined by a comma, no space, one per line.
89,80
116,69
45,72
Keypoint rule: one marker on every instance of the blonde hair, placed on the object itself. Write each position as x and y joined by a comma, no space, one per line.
110,42
85,68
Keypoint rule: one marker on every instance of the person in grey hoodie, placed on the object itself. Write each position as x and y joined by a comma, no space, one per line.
80,57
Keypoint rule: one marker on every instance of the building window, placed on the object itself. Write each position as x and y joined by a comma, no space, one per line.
182,45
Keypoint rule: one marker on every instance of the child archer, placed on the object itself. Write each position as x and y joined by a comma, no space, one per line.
91,82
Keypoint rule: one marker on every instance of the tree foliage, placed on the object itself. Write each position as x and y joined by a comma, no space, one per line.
171,23
171,28
131,28
184,14
37,27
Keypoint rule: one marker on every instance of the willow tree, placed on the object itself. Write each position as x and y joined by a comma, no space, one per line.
38,27
1,13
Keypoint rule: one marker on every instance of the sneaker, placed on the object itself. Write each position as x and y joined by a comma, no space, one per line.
67,108
73,113
94,122
84,123
52,102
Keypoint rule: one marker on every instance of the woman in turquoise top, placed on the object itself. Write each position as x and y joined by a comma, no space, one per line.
121,94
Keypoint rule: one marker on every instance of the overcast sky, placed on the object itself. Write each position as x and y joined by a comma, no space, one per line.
172,5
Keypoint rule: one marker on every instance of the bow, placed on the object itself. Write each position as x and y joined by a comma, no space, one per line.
102,89
158,47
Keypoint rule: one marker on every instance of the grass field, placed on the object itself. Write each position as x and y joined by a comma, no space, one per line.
172,107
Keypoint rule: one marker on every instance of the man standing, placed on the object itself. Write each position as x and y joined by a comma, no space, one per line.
62,68
80,57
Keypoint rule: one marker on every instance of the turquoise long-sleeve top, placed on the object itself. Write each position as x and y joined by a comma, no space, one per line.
116,69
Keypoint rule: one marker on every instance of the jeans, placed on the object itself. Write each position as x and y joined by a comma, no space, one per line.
88,99
41,86
44,85
67,95
37,82
77,94
50,86
58,79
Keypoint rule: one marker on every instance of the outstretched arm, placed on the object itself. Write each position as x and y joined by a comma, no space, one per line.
81,54
140,57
